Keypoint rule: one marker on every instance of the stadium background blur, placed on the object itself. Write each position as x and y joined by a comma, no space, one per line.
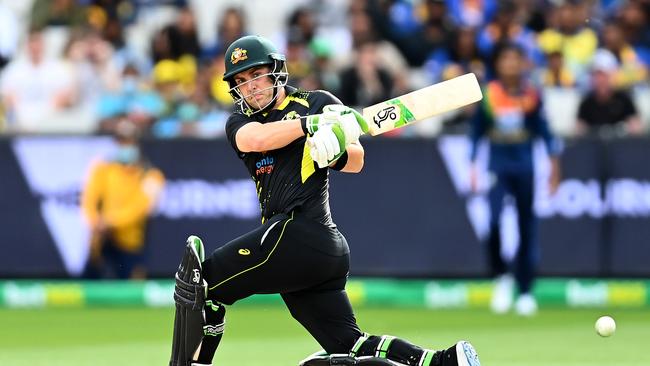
159,64
166,56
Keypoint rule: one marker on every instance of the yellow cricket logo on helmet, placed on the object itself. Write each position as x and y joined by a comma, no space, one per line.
238,55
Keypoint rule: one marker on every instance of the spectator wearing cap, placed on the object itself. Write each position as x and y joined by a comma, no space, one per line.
604,109
117,199
171,83
192,111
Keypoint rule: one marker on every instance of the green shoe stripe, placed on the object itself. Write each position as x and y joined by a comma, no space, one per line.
427,357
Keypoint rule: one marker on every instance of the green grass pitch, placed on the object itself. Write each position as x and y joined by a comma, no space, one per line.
257,335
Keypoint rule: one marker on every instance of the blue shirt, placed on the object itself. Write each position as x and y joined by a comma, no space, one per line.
511,123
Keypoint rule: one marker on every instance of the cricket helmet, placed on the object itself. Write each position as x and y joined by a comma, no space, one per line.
252,51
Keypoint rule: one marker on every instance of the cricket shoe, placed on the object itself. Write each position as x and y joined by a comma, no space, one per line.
322,359
502,294
460,354
526,305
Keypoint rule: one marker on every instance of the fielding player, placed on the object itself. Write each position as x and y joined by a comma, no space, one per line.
511,118
288,139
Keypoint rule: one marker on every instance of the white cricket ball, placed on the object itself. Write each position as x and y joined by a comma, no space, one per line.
605,326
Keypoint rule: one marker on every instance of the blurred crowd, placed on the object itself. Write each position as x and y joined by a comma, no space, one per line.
68,66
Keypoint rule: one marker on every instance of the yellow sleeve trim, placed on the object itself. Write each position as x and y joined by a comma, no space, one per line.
307,168
291,98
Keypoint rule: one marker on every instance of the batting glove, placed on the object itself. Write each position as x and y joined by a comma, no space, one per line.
315,122
343,110
327,145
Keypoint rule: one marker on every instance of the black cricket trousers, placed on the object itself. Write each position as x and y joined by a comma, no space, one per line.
304,261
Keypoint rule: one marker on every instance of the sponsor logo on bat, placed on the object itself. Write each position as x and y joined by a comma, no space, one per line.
388,113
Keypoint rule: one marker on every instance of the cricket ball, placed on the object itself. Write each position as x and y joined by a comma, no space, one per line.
605,326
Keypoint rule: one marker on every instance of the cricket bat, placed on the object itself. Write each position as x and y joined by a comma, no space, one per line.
423,103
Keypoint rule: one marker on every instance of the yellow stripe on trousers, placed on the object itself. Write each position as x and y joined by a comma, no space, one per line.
257,265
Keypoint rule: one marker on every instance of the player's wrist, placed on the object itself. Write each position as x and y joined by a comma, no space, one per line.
309,124
340,162
303,125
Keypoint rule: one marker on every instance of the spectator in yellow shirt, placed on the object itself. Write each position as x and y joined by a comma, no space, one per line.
555,74
571,37
631,71
117,199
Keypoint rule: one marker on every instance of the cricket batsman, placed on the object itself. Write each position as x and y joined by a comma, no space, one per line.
288,139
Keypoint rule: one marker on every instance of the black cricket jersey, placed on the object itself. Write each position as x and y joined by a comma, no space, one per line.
287,179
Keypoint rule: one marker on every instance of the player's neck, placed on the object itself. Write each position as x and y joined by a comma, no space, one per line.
282,94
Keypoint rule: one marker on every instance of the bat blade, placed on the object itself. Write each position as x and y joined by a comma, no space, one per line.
423,103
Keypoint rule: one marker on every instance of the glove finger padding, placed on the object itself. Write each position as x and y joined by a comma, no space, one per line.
341,109
350,128
327,145
332,144
317,151
363,124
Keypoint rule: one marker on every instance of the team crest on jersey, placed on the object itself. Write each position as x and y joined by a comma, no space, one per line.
291,115
238,55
